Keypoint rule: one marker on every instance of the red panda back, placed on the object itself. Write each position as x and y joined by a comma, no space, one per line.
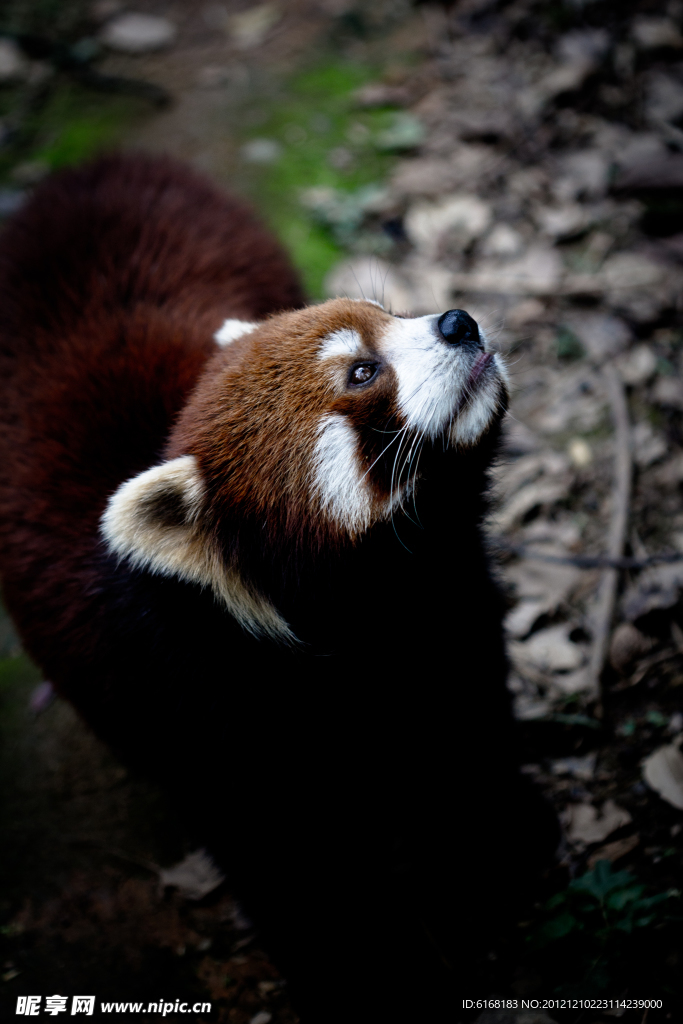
113,279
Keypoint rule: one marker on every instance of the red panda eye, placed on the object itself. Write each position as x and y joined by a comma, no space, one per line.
362,373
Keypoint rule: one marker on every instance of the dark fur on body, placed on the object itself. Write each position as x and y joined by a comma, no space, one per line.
358,786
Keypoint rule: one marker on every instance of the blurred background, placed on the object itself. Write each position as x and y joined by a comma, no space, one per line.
522,159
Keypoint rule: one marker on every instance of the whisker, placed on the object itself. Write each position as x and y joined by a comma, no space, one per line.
397,434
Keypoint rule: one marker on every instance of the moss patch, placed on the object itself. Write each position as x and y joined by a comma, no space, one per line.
72,125
317,139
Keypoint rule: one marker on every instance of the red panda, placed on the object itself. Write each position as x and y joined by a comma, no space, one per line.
243,537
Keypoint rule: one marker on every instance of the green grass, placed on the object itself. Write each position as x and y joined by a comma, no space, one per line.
73,125
311,118
18,673
315,117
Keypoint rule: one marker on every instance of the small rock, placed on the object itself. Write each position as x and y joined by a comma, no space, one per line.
637,366
378,94
503,240
675,723
30,172
668,392
583,44
653,33
639,149
579,452
629,270
537,272
648,446
579,767
406,132
10,201
261,151
663,98
464,217
434,176
138,33
562,221
250,28
627,645
13,64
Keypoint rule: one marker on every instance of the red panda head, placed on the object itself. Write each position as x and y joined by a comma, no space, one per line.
304,430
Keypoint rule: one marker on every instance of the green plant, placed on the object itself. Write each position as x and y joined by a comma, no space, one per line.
599,932
567,345
603,904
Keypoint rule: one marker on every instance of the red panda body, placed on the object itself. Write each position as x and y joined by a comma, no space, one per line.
254,564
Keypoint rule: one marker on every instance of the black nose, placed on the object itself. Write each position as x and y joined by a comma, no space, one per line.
458,328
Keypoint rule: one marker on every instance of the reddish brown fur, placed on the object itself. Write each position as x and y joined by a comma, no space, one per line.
279,367
112,283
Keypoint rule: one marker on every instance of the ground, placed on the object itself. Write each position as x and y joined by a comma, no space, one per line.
518,159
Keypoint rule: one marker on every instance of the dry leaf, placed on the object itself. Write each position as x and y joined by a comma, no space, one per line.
586,826
613,851
194,877
549,650
663,772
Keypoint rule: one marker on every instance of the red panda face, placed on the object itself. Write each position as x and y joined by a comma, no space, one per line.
310,425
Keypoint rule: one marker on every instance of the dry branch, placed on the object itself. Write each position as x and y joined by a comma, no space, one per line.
603,609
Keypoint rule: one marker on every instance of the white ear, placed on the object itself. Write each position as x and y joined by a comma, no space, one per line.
233,329
154,520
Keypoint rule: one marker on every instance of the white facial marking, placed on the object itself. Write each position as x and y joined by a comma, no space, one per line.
232,330
435,392
154,520
341,482
373,301
342,492
344,342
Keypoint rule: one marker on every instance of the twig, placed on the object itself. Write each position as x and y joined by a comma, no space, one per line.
589,561
603,609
